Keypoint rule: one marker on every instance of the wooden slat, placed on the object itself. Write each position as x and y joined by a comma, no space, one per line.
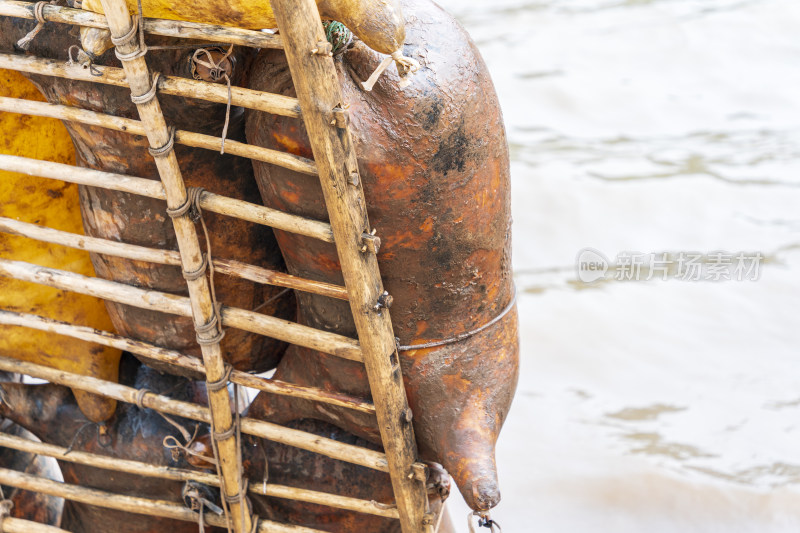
213,92
317,86
177,474
130,504
283,330
259,428
187,138
272,386
10,524
165,28
209,201
229,267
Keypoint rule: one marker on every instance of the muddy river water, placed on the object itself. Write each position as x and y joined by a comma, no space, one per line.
669,404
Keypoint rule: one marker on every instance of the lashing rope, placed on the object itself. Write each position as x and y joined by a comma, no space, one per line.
192,207
149,94
38,14
221,383
191,490
171,442
405,67
217,72
198,502
137,26
90,59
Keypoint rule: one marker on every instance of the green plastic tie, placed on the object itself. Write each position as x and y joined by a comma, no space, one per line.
338,35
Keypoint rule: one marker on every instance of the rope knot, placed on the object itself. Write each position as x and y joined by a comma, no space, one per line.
38,14
197,498
191,206
216,71
438,481
405,67
166,148
147,97
137,26
85,59
218,64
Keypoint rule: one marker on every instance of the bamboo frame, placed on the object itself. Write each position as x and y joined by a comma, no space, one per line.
330,343
272,386
165,28
315,81
326,123
209,201
178,474
267,102
135,127
229,267
131,504
259,428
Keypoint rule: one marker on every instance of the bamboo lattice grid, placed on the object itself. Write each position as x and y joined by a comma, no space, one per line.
319,103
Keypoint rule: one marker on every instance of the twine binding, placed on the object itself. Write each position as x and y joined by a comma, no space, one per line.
462,336
217,73
38,14
148,96
137,23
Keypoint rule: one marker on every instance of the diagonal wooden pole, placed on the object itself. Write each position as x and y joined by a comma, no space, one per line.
124,33
317,87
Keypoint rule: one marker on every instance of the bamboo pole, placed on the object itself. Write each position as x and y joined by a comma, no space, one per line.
324,498
178,474
165,28
266,216
229,267
10,524
279,279
259,428
330,343
213,92
267,155
316,83
135,127
130,504
215,203
253,322
272,386
203,307
99,288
